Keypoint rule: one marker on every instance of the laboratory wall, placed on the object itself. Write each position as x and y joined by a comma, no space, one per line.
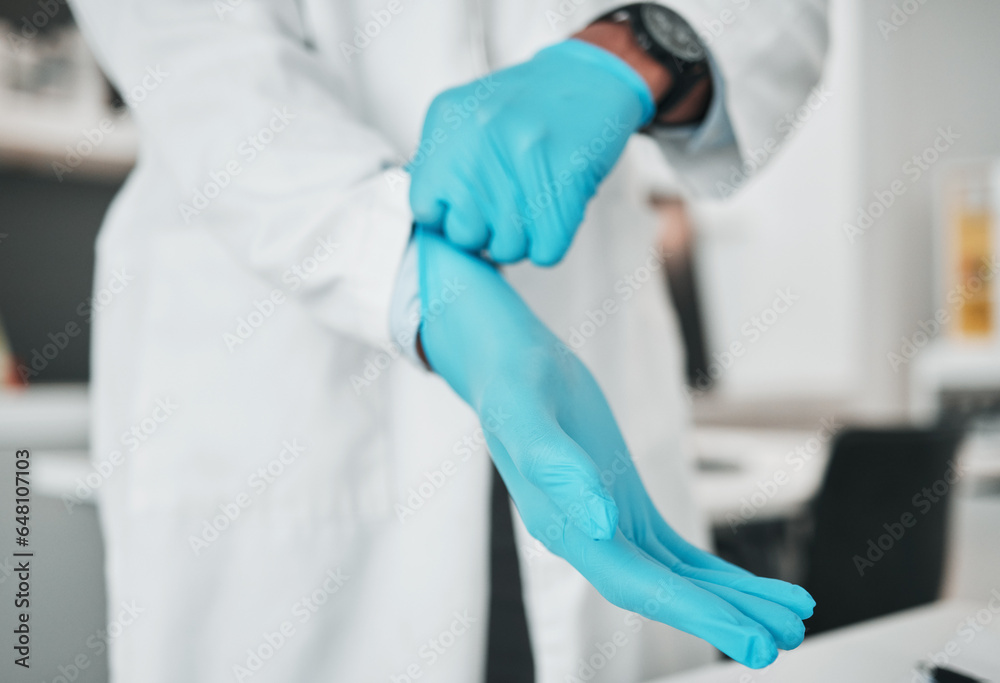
903,80
939,72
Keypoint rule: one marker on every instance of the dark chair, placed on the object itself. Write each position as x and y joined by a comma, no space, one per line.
879,524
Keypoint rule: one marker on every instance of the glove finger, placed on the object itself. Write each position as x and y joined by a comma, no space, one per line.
793,597
788,595
427,207
554,218
783,624
689,554
464,225
502,202
556,465
632,580
509,243
543,520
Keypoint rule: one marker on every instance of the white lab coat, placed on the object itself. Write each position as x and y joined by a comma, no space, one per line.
292,503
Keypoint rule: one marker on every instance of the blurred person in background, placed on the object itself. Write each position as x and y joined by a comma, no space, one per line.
312,500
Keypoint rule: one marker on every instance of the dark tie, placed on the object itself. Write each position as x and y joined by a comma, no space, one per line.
508,658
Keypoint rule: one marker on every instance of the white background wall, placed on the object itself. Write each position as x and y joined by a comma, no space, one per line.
890,92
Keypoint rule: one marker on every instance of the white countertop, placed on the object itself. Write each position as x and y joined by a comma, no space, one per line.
885,650
756,474
54,114
761,474
45,416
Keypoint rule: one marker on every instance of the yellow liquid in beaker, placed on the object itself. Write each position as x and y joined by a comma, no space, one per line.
975,244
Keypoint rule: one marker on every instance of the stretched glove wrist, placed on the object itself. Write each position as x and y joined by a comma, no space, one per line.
502,361
597,57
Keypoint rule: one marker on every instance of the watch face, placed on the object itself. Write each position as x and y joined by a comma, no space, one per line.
673,33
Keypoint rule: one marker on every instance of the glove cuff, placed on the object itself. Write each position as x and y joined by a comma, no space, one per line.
581,50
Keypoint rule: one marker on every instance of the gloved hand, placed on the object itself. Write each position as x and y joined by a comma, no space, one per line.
558,448
509,162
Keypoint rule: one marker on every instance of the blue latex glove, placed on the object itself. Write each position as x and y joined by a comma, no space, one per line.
509,162
558,448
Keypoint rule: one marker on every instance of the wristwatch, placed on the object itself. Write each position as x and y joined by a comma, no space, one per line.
666,37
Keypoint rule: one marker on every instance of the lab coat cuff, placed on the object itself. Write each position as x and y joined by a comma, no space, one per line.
714,132
404,310
703,155
767,59
368,260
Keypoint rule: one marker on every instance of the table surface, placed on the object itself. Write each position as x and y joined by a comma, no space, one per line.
760,474
46,416
885,650
755,474
36,128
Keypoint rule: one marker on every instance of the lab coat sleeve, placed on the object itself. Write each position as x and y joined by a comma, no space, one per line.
256,141
767,56
404,321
